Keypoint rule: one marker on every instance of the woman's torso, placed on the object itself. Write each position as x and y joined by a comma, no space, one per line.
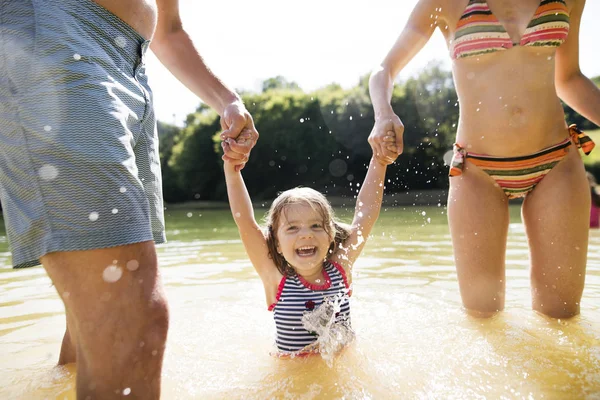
141,15
508,101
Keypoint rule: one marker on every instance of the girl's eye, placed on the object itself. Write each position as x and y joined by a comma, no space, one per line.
317,226
292,228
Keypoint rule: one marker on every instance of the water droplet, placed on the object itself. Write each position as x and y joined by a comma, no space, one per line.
94,216
48,172
112,273
123,189
132,265
301,120
121,41
126,391
114,211
76,57
189,215
237,215
47,128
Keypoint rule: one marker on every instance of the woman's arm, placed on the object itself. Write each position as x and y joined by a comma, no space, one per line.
572,86
423,20
251,234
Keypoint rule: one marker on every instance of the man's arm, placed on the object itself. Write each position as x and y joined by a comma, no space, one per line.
176,51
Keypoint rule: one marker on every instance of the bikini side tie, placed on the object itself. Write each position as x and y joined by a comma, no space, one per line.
458,160
581,140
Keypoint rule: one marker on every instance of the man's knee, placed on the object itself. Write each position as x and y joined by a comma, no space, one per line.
157,321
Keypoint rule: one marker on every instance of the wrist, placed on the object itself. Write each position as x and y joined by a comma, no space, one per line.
384,113
377,162
230,99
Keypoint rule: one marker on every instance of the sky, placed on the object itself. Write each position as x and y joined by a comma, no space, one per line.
312,42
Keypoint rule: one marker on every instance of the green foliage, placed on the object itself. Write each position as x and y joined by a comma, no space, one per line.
194,162
319,139
279,82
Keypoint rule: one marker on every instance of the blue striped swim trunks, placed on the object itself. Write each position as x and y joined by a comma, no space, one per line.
79,161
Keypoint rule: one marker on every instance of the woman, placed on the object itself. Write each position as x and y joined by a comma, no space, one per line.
512,61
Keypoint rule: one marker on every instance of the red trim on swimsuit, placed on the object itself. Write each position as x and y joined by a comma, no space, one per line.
313,286
279,290
342,271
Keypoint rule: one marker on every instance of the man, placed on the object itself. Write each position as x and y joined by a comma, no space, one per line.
80,175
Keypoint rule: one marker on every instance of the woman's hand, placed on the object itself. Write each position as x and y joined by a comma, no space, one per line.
386,139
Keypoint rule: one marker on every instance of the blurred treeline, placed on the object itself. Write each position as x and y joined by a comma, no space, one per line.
319,139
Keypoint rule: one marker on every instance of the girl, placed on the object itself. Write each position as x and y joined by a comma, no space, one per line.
304,256
512,62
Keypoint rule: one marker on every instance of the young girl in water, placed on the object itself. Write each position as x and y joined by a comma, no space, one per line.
304,256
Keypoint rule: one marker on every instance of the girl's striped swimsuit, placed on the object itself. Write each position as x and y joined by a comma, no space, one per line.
296,296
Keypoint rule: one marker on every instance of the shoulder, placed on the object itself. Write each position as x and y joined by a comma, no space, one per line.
434,12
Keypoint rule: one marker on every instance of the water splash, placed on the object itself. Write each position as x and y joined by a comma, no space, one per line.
333,334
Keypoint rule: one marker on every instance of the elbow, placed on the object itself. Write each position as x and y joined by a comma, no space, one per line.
165,35
565,81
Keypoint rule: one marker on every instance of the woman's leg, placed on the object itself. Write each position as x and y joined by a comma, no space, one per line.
478,218
556,216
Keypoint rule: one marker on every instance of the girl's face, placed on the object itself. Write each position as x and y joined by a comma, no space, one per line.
302,238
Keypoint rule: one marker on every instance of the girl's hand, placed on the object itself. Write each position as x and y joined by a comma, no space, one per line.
236,123
244,140
386,139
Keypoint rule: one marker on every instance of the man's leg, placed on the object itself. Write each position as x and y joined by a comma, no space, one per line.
118,315
68,346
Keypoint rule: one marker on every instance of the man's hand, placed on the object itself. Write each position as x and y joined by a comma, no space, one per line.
239,134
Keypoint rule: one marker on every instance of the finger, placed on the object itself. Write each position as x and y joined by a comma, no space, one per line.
230,153
240,167
234,161
399,131
242,148
392,148
238,122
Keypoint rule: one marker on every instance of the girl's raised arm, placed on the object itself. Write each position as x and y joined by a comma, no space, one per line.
251,234
368,205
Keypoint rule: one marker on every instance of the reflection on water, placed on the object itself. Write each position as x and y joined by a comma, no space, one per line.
412,339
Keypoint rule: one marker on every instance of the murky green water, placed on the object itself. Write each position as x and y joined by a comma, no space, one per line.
413,340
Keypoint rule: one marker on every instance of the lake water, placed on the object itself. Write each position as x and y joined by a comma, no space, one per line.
413,339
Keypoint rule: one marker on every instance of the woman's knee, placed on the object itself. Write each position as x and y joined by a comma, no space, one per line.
556,304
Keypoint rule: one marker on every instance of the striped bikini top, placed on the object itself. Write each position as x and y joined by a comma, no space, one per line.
479,32
296,296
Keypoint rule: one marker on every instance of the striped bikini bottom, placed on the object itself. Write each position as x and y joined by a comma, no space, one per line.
518,176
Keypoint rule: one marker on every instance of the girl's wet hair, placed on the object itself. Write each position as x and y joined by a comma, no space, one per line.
337,231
